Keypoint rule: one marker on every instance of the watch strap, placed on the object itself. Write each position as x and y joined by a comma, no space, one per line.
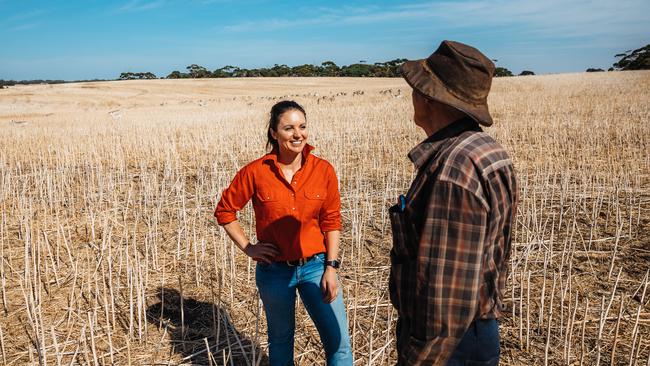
333,263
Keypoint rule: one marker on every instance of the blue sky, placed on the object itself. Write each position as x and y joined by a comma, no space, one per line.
84,39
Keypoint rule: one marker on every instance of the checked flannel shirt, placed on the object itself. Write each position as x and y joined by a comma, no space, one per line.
451,241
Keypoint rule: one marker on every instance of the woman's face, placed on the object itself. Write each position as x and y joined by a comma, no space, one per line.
291,132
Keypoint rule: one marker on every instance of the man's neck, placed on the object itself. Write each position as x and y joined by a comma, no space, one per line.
442,117
442,121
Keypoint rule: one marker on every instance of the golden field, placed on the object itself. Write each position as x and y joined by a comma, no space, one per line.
110,253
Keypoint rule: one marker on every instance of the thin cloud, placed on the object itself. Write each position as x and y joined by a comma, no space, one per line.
140,5
275,24
26,15
210,2
23,27
551,18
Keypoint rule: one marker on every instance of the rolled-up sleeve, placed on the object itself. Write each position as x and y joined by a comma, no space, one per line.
235,197
330,213
449,267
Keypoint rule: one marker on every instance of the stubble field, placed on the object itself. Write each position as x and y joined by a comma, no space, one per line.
109,252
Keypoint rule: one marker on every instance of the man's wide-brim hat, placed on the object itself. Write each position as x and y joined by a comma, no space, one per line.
457,75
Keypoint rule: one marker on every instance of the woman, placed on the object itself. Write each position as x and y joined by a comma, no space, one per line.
298,222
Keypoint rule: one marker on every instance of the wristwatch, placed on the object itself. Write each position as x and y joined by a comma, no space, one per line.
333,263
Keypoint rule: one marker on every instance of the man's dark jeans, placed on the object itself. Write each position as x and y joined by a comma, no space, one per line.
479,346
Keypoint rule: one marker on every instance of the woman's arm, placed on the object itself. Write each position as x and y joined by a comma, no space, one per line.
233,199
330,224
329,283
332,239
263,252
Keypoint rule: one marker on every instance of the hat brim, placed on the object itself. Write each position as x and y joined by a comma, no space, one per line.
426,82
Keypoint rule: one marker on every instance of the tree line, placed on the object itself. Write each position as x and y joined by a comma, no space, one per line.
638,59
5,83
325,69
137,75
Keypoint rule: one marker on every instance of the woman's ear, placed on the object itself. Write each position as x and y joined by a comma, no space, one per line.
273,134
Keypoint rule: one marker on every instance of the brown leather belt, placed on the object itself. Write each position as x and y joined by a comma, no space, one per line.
301,261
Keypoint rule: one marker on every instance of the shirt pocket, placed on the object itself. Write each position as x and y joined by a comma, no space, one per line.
405,239
267,196
269,206
315,194
314,199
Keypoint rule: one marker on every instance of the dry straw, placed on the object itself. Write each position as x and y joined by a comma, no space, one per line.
110,255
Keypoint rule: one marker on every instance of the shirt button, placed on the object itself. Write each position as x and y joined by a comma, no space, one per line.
293,195
318,195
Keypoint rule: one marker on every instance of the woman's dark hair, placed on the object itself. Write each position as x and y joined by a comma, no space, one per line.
276,111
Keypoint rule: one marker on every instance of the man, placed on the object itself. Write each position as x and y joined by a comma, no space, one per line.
452,230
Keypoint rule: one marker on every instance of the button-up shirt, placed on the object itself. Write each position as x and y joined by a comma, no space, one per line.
292,215
451,240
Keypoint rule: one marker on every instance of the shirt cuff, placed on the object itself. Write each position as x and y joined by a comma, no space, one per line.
224,218
330,226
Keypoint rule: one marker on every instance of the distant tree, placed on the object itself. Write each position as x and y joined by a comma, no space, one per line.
281,70
224,72
394,67
239,72
526,73
357,70
304,70
594,70
638,59
329,68
137,75
177,75
502,71
197,71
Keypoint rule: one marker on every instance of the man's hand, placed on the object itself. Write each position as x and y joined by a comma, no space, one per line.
262,252
329,285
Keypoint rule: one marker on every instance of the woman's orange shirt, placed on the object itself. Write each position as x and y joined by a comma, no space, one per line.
293,216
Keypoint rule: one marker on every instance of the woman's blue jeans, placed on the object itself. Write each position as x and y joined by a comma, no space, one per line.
277,283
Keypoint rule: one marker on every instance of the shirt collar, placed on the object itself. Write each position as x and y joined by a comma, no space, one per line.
273,155
421,153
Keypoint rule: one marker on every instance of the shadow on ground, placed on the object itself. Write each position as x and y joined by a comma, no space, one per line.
200,321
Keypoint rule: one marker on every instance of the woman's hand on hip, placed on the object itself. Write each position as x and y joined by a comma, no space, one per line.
262,252
329,285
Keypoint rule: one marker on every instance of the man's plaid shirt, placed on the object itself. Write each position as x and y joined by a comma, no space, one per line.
451,240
